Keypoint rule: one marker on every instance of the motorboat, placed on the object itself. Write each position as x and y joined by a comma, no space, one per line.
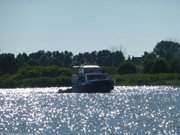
91,79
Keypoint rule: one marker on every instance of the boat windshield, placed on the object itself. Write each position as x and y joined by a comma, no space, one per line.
92,70
96,77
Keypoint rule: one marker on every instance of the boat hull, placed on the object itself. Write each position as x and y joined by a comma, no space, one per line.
99,86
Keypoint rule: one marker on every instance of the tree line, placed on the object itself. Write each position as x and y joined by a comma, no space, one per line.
9,63
163,59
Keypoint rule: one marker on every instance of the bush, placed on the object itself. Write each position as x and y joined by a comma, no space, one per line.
127,68
46,82
110,70
156,66
148,79
37,76
39,71
6,81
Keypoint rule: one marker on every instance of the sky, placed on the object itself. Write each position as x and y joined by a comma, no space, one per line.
134,26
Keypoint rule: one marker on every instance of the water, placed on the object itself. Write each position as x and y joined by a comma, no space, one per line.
127,110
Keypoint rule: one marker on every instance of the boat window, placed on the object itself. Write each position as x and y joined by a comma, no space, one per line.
94,70
81,78
94,77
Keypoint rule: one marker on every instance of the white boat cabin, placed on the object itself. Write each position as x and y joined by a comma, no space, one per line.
90,69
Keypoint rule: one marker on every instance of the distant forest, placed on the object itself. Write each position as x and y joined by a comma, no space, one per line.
46,68
9,63
164,58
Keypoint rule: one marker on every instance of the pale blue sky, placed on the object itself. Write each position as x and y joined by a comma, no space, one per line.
85,25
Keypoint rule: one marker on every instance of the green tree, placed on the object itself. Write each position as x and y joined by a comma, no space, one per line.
175,65
8,63
117,58
78,59
57,58
148,66
22,59
148,62
104,58
67,59
160,66
167,49
36,58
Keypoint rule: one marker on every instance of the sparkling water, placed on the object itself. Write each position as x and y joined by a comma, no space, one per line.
127,110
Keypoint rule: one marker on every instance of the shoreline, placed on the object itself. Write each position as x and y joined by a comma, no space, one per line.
167,79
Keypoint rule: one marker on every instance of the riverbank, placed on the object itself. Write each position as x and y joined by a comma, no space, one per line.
171,79
22,81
